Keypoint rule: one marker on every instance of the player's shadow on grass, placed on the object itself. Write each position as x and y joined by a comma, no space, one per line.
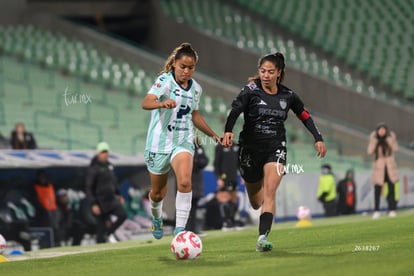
198,262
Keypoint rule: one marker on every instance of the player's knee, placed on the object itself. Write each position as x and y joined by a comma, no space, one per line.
184,186
255,205
157,196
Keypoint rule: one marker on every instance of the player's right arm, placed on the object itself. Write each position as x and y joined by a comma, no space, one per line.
238,105
151,102
160,90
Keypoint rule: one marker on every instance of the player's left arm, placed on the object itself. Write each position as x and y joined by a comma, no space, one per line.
303,114
201,124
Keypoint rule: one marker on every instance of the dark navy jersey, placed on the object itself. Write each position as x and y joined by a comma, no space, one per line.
265,114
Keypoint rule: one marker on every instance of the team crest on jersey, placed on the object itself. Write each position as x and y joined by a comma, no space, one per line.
283,103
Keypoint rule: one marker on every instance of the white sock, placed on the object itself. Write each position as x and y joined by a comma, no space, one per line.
156,208
182,206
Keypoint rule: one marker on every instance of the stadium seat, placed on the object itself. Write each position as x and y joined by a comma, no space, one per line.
241,30
349,30
32,76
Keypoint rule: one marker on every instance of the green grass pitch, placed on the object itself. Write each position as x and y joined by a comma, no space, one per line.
352,245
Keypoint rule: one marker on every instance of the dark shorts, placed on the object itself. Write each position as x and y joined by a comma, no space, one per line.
252,161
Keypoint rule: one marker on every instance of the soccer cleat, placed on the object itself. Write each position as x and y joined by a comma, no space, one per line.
239,225
263,244
376,215
112,238
228,226
156,229
178,230
392,214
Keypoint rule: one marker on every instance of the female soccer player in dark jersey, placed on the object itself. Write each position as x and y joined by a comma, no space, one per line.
265,103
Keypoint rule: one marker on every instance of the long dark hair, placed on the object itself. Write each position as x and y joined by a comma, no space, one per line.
278,59
184,49
382,141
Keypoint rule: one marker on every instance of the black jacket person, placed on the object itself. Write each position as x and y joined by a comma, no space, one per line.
103,194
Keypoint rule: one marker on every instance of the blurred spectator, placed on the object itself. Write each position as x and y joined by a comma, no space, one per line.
20,139
15,215
138,220
136,210
382,145
4,142
200,161
84,222
226,168
215,212
346,190
327,190
65,217
127,229
44,200
104,196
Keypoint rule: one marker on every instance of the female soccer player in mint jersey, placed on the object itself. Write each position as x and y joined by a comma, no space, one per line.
174,101
265,103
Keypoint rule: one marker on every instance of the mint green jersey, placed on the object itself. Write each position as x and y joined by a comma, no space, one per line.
170,128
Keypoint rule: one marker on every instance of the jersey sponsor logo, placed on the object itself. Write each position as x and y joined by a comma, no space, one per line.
265,129
272,112
177,93
184,110
171,128
283,103
262,103
157,85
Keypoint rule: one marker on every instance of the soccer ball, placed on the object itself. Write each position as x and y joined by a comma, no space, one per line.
3,244
186,245
303,213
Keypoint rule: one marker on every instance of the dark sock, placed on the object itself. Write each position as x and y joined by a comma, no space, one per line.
265,224
377,196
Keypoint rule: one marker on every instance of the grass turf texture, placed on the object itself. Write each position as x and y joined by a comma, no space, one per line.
352,245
